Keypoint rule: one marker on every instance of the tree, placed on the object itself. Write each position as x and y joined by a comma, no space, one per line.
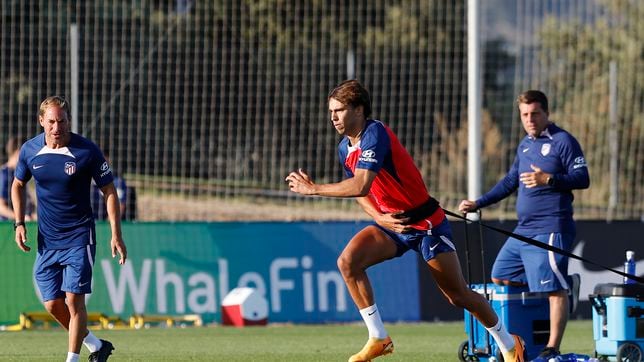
578,54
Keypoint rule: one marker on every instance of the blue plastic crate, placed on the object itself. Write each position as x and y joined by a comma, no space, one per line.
618,326
522,312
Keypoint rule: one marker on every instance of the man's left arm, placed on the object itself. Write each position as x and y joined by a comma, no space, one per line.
573,161
114,216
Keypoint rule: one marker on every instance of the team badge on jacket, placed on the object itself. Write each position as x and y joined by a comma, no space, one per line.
545,149
70,168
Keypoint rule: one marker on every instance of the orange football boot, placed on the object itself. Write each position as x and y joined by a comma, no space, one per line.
516,354
374,347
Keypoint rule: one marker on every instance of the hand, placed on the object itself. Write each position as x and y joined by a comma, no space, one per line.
300,182
394,222
467,206
21,238
118,246
534,179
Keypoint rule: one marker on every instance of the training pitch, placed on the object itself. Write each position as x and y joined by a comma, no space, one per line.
413,342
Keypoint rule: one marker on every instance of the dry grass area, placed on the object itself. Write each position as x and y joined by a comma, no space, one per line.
173,208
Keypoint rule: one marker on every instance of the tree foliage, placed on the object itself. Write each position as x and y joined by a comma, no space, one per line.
577,55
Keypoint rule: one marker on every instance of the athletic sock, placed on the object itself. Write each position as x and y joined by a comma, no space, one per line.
503,339
374,324
92,343
72,357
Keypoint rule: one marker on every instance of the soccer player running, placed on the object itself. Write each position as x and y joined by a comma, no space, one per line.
549,164
381,175
63,165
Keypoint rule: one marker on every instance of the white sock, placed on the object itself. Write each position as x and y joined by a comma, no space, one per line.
72,357
374,324
92,343
503,339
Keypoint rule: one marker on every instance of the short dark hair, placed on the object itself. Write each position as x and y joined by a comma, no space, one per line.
532,96
352,93
59,101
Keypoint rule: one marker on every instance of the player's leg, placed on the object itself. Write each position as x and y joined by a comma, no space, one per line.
446,270
368,247
546,271
58,309
558,317
77,321
439,252
78,264
508,266
76,282
80,335
48,274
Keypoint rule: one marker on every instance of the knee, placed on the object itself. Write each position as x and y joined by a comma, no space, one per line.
458,298
346,265
500,281
559,293
508,282
56,306
75,307
50,306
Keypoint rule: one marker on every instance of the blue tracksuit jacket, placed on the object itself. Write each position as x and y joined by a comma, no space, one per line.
544,209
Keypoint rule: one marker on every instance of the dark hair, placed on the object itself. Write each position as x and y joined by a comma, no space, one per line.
352,93
13,145
57,101
532,96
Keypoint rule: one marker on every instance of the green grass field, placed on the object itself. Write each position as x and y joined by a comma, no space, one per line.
413,342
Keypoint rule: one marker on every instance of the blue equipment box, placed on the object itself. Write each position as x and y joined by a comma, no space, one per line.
523,313
618,326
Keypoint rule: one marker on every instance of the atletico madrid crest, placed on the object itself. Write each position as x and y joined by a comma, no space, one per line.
70,168
545,149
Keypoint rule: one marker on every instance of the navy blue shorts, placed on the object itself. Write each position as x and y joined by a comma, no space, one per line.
64,270
428,243
541,269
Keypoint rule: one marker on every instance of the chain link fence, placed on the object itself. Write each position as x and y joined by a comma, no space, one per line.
199,102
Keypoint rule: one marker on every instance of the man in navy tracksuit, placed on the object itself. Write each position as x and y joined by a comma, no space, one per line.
549,164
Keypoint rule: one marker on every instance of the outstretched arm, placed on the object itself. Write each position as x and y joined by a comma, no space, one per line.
356,186
506,186
501,190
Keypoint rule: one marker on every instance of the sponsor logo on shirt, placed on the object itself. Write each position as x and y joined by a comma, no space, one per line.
545,149
105,168
579,162
70,168
368,156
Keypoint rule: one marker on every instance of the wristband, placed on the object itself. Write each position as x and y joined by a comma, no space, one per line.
19,223
551,181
